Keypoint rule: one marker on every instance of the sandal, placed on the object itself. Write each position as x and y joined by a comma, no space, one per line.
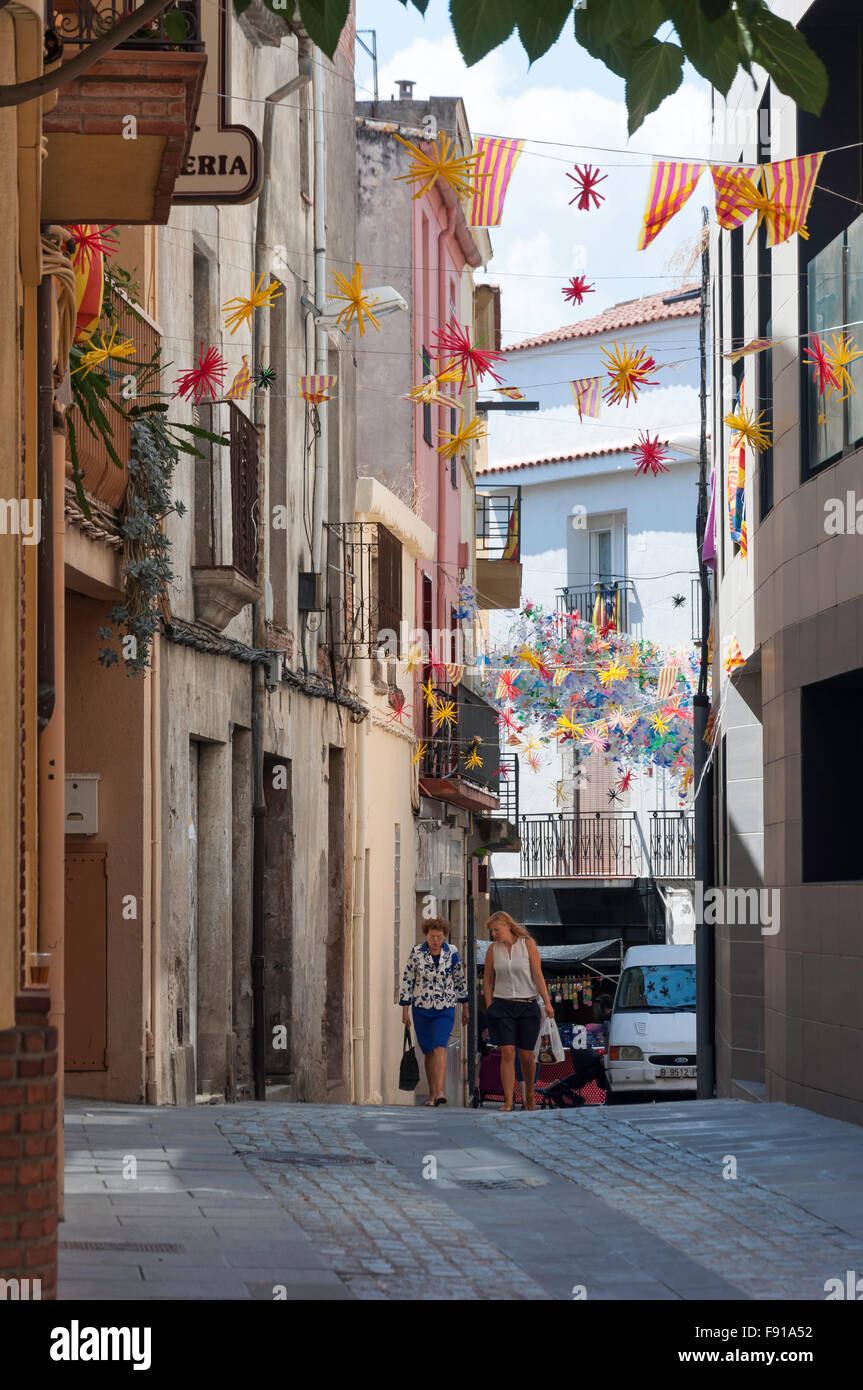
441,1100
506,1107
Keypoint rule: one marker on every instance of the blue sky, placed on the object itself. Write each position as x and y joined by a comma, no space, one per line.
565,97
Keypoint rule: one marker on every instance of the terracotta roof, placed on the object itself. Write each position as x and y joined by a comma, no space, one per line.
572,457
630,314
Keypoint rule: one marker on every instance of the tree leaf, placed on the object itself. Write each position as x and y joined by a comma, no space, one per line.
240,6
783,52
655,72
539,26
714,9
618,55
481,25
323,21
709,45
610,19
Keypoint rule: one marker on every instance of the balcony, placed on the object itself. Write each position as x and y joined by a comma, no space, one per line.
118,135
614,599
443,771
226,519
607,844
498,547
103,480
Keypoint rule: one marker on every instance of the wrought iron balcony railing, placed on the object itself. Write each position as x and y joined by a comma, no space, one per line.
364,590
498,523
613,599
607,844
80,22
508,789
451,746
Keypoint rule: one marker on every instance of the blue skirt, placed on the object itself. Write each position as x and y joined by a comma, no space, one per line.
432,1027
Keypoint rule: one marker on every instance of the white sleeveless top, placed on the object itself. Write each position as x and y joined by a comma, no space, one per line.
512,977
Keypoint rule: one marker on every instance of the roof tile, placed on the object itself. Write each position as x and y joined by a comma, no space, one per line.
629,314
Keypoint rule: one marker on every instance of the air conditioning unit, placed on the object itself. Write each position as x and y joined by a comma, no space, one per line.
310,592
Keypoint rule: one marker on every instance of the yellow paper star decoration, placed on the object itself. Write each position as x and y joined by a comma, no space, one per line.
444,714
459,171
428,392
561,795
659,724
748,428
612,673
413,659
473,759
422,749
457,442
356,302
429,694
240,310
96,355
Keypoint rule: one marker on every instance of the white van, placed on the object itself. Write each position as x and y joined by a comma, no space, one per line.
651,1039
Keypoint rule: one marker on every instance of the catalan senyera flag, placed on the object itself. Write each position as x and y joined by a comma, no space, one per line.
317,389
756,345
734,657
512,393
239,388
732,209
496,159
671,183
587,394
790,183
667,681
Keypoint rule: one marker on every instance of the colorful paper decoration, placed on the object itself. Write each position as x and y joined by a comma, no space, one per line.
747,427
467,607
624,782
841,353
453,343
732,209
587,394
444,714
628,371
650,454
495,160
756,345
459,171
454,673
97,354
512,393
671,184
473,759
241,309
205,379
264,377
356,303
612,673
667,680
790,184
317,389
398,707
239,387
734,657
585,179
576,288
709,727
533,761
457,441
823,375
428,392
422,749
429,693
91,241
561,794
89,290
613,794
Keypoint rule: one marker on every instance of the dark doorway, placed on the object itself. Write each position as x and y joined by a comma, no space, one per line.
278,915
334,1017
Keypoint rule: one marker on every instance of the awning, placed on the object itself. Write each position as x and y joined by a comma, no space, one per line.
562,955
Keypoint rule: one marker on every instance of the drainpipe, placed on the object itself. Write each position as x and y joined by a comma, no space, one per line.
259,618
358,943
45,473
443,236
321,341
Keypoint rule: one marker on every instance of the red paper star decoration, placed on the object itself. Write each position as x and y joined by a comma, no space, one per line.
506,721
454,345
651,455
823,375
397,707
91,239
577,288
585,181
625,782
205,379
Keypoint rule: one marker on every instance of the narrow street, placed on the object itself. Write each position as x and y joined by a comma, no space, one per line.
331,1202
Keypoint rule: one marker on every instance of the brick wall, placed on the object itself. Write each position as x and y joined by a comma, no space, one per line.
28,1145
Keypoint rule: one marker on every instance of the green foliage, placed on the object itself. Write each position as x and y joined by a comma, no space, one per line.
718,37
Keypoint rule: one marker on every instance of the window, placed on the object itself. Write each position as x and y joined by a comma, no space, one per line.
389,584
764,360
832,839
601,569
834,297
244,493
427,410
665,989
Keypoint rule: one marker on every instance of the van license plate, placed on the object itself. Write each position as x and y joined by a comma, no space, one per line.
677,1071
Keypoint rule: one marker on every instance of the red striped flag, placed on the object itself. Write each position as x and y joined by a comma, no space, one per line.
513,393
587,394
667,681
671,183
732,208
317,389
496,159
790,184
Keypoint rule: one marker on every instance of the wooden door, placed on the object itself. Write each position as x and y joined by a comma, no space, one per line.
86,955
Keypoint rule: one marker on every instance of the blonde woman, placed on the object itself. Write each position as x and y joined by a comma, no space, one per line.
511,982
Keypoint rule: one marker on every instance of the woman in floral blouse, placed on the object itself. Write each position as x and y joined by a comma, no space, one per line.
433,983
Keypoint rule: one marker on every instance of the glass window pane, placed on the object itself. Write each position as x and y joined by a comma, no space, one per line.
824,279
854,272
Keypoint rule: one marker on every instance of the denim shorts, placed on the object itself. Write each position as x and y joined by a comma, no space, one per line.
514,1023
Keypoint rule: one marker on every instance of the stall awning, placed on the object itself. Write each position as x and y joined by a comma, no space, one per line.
562,955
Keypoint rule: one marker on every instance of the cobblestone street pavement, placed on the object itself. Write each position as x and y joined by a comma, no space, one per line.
403,1203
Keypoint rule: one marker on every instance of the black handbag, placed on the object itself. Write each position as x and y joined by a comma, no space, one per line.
409,1071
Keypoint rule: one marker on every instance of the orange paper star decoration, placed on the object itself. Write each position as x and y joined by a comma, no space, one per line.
628,370
442,162
240,310
840,354
356,303
748,428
